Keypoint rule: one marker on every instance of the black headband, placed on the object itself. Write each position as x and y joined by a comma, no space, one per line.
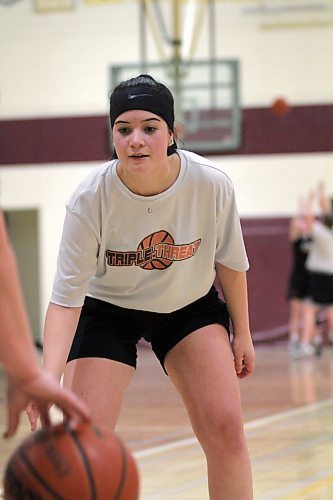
142,97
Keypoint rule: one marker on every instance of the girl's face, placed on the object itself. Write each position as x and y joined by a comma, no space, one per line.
141,139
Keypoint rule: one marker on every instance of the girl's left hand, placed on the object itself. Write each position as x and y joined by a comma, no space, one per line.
244,355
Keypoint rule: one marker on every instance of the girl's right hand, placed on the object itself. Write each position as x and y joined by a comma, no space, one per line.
36,395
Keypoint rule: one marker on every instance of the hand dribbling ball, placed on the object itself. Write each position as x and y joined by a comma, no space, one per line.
82,463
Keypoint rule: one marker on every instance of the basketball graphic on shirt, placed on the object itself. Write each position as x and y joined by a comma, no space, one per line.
156,262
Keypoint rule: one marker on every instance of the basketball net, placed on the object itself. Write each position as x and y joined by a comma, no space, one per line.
175,26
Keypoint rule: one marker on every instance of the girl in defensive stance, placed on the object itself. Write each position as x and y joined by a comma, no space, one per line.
144,238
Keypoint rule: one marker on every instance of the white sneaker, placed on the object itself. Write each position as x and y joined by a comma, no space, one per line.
318,345
304,351
293,344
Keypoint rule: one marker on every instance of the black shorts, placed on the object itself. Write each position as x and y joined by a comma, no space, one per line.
321,289
298,286
112,332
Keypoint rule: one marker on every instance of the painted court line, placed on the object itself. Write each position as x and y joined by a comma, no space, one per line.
294,491
298,490
255,424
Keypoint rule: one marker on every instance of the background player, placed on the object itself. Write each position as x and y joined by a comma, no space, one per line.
299,276
320,265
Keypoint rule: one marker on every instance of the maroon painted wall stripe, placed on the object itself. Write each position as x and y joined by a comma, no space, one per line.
270,256
269,253
305,129
53,140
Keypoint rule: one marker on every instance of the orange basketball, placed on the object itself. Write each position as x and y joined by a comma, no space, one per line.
85,463
156,261
280,107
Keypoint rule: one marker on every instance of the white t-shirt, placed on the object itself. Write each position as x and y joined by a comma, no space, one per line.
154,253
320,258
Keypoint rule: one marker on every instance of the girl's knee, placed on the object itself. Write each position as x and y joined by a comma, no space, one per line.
224,430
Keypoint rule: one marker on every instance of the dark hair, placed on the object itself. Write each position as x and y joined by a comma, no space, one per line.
150,95
328,221
328,218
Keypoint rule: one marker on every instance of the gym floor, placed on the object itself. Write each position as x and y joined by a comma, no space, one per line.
288,408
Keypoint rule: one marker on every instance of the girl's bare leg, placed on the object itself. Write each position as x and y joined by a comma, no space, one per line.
202,368
101,383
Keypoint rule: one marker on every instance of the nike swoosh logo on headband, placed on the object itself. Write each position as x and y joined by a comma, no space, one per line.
133,96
